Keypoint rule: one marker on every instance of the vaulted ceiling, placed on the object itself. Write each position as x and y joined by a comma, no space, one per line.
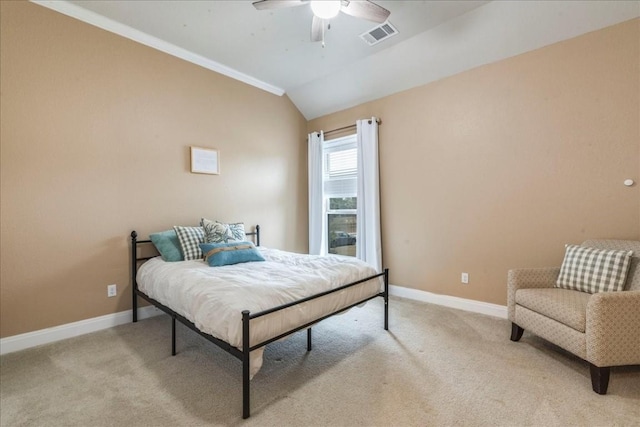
271,49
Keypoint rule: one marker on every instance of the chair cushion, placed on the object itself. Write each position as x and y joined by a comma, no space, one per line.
594,270
562,305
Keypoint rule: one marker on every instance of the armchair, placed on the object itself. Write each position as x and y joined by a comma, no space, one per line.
602,328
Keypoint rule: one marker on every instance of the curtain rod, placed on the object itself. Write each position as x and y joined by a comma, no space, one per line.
349,127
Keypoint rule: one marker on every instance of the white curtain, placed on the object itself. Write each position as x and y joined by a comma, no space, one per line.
369,246
317,224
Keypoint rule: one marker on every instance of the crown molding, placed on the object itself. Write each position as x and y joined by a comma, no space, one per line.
120,29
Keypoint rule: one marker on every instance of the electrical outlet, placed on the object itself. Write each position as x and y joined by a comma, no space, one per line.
464,278
112,290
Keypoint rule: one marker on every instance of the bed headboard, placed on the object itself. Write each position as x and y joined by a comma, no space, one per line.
255,232
137,253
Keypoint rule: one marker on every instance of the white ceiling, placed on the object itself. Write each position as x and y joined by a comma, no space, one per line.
271,49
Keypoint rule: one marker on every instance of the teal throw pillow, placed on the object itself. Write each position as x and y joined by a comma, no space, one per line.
219,254
167,243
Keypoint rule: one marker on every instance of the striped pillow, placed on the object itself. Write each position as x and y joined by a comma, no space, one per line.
594,270
190,239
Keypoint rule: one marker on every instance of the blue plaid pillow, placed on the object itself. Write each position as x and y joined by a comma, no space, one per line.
190,239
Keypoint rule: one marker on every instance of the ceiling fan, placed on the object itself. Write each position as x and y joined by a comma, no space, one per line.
324,10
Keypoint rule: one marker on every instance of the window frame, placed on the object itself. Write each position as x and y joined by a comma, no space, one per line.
339,144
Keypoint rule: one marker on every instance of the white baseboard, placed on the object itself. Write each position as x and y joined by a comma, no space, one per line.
449,301
70,330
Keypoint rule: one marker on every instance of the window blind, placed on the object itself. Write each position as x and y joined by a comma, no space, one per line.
341,168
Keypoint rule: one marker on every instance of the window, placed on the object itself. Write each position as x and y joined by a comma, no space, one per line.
340,194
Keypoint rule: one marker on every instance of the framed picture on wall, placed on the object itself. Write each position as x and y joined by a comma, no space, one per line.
205,160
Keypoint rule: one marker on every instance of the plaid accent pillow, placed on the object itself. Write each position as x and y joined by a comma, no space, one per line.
190,239
593,270
219,232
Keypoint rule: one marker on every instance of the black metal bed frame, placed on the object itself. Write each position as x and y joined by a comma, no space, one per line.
246,316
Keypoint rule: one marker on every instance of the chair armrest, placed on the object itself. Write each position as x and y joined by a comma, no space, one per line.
524,278
613,328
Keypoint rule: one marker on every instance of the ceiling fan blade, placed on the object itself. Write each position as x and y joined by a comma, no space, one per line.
365,10
277,4
316,29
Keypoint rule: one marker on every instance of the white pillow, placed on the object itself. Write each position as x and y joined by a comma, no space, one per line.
219,232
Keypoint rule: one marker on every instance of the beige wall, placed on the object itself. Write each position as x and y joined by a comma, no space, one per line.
494,168
500,166
95,142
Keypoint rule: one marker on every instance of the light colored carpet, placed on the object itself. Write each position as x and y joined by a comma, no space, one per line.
436,366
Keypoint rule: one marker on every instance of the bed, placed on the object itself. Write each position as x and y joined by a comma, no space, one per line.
244,307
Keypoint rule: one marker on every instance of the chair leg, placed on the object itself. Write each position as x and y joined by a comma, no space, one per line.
516,332
599,378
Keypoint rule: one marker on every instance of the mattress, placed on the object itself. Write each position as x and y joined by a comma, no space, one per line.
213,298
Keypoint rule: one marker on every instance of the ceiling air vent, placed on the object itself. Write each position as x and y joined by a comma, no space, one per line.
379,33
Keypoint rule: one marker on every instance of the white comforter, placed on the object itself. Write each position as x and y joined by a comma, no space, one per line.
213,298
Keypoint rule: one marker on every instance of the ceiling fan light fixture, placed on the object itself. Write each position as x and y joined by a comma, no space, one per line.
325,9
